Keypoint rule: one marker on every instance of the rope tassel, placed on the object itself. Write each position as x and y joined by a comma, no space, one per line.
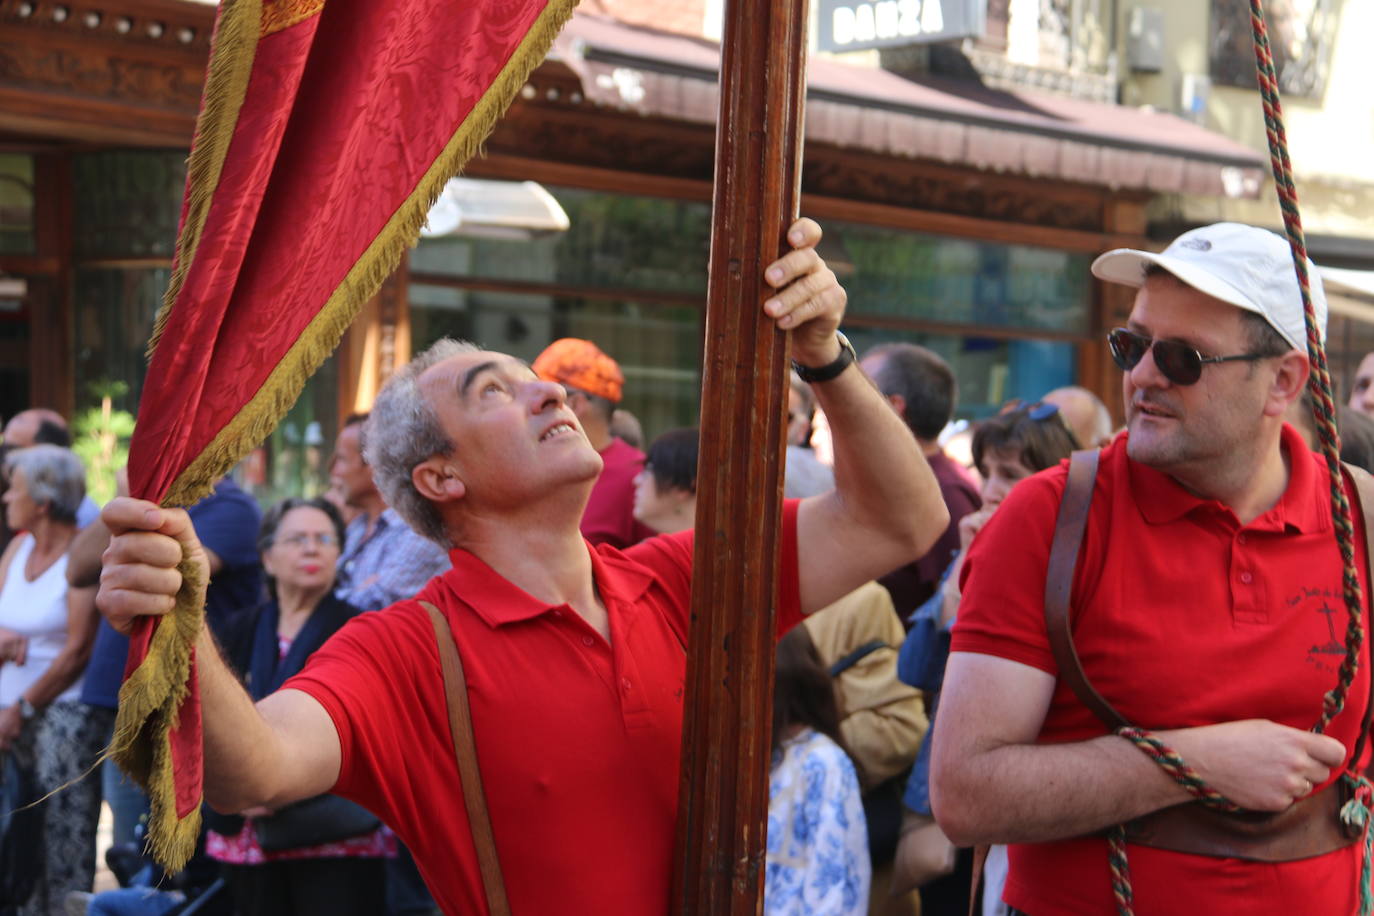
1355,816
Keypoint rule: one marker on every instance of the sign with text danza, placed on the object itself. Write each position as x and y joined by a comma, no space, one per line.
851,25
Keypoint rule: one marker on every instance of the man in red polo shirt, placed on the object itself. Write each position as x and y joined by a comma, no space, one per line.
574,657
1206,605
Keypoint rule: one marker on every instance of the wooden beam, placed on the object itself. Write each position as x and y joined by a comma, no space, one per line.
723,801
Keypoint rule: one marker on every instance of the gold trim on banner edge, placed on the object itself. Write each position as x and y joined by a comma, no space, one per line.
226,84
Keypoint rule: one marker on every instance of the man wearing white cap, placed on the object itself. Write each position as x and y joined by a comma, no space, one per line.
1205,605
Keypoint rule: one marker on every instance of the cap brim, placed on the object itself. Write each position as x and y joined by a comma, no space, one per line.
1127,266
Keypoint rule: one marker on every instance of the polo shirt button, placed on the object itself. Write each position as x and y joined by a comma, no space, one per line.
1246,578
1241,539
588,641
625,683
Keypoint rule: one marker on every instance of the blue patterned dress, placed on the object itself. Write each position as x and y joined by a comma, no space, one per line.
817,840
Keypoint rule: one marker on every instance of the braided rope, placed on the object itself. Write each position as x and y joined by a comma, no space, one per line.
1320,382
1356,813
1171,762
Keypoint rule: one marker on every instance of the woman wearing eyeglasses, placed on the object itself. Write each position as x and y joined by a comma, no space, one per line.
325,854
1007,448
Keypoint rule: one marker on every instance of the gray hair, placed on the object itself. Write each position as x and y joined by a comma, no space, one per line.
54,476
402,431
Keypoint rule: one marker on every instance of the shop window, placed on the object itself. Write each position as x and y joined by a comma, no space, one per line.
615,241
294,461
113,320
16,204
127,203
918,277
658,347
630,273
990,372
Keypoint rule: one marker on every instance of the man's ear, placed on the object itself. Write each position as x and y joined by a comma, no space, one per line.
1289,382
437,480
898,404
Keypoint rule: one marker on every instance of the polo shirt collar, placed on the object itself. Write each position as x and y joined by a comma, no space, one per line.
498,601
1302,508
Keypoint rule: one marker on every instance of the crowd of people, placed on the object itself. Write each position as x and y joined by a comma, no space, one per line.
921,705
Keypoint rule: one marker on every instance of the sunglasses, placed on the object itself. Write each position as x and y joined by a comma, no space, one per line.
1178,362
1038,411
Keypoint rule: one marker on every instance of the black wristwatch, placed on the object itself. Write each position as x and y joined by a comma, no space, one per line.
26,710
812,375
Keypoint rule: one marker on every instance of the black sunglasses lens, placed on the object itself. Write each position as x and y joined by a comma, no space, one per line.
1127,349
1179,362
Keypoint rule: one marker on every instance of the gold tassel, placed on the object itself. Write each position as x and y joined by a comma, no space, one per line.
149,701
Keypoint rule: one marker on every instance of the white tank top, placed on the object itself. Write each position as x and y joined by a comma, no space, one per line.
38,610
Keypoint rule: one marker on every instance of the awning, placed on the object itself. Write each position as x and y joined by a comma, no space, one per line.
1349,292
1038,135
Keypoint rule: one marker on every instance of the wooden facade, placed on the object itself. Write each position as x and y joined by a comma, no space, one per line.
77,76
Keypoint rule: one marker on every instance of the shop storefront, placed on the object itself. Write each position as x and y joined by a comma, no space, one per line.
962,220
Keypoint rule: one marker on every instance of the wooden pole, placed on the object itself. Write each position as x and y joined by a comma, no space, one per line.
723,804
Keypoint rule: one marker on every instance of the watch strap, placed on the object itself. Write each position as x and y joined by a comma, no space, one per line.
813,374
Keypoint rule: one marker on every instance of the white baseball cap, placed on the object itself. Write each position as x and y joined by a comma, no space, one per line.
1248,267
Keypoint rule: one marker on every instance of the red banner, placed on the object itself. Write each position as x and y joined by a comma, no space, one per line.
327,129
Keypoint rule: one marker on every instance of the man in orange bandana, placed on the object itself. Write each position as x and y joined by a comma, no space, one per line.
594,383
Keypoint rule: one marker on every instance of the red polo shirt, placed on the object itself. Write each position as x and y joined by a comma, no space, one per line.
578,740
1182,617
610,514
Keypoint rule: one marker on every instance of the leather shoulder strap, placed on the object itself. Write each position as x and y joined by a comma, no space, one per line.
1068,537
474,799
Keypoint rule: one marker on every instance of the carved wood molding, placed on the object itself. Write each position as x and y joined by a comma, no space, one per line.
130,73
149,25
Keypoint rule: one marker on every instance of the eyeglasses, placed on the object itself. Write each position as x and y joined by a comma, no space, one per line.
299,540
1178,362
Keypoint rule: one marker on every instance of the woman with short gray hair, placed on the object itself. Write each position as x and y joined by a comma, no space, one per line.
46,632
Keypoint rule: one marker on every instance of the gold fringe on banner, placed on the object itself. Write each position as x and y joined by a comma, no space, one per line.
226,84
149,702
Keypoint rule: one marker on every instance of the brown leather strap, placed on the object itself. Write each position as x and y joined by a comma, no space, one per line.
1310,827
1364,494
980,860
469,773
1068,537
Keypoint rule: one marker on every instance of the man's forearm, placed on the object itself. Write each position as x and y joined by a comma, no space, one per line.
1034,793
240,746
880,473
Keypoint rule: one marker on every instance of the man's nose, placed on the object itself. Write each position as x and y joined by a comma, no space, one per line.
546,395
1146,374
